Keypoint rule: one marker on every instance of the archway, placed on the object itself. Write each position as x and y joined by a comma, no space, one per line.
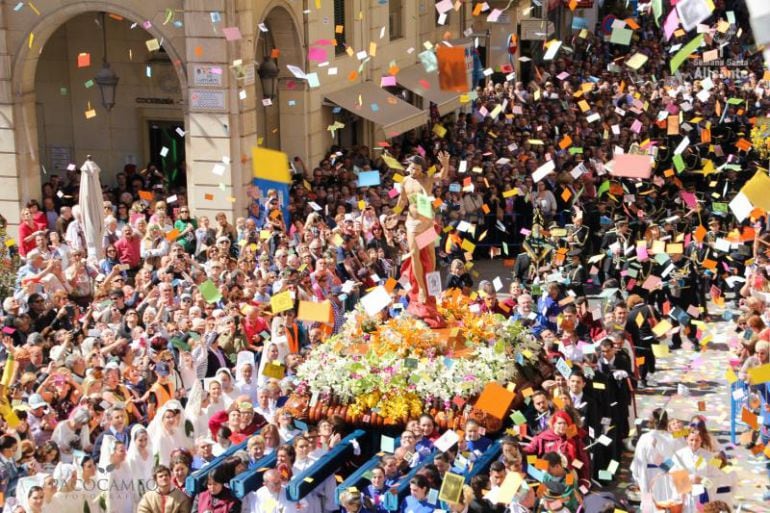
283,120
58,108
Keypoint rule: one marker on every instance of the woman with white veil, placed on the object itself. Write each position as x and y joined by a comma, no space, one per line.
140,460
216,400
170,430
275,351
25,486
115,480
86,486
195,410
245,381
66,499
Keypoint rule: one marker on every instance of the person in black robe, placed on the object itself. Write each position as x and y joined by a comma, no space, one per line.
641,319
614,373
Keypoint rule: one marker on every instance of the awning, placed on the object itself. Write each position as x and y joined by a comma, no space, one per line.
371,102
426,85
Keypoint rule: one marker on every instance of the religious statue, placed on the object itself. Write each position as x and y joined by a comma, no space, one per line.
416,196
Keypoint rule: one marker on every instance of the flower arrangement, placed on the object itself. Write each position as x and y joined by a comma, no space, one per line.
403,368
760,138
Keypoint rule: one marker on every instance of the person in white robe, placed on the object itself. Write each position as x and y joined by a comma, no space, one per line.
697,462
321,499
66,499
196,409
245,381
115,480
86,485
140,460
170,430
276,351
229,393
216,401
653,448
270,498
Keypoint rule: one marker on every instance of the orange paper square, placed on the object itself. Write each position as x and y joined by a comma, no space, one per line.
566,142
208,197
495,400
743,145
700,233
749,418
451,69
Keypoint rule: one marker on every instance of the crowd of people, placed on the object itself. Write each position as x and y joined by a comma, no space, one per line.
127,372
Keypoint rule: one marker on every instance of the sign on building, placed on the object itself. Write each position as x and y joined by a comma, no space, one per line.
207,76
208,100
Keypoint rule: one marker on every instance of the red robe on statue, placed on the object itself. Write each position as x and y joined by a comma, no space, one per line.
426,311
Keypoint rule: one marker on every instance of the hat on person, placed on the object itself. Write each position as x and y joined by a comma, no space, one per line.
620,219
162,369
223,238
36,401
81,415
246,406
575,253
204,440
186,295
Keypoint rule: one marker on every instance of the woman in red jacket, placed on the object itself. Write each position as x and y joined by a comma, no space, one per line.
562,436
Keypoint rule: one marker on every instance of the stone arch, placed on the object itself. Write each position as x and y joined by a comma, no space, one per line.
284,34
25,65
285,24
25,61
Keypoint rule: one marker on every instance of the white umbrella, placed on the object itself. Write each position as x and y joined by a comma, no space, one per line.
92,207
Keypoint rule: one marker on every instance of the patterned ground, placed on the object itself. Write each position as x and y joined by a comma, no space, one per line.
703,375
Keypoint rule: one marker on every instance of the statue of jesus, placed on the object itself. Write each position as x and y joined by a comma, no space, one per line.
416,196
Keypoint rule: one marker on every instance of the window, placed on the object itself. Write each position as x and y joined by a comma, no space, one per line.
396,19
339,21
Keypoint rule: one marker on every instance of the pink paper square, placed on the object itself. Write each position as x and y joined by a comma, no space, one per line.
317,54
232,33
671,24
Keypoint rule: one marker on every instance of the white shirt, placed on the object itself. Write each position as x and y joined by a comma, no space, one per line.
263,501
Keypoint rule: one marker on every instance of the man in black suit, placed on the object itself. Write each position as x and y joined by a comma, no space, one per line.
538,413
614,372
585,404
576,272
614,244
641,319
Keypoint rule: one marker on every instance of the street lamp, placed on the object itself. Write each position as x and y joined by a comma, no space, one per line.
268,75
106,78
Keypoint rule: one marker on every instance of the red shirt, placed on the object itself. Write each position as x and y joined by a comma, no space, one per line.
129,251
252,330
25,231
